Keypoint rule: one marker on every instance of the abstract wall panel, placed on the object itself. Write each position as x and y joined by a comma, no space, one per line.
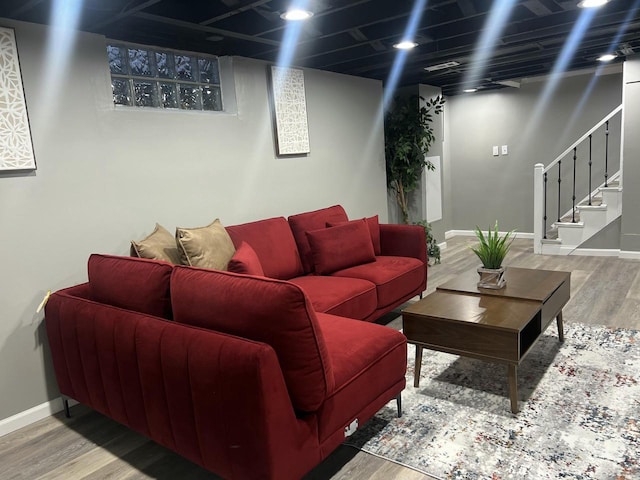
16,149
292,129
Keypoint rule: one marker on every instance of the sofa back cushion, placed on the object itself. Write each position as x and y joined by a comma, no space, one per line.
306,222
275,312
274,245
132,283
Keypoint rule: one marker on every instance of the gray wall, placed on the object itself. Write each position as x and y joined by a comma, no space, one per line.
481,188
607,238
630,240
105,175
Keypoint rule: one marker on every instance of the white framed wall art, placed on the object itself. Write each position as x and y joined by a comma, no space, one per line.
290,111
16,147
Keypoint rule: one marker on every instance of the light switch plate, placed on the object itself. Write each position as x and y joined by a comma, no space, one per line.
505,150
495,151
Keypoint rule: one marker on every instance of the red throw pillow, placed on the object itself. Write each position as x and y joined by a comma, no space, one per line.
374,230
342,246
246,261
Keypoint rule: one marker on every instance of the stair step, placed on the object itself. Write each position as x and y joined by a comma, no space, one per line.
569,218
595,202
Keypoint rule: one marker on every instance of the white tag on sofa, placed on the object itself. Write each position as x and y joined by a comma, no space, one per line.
351,428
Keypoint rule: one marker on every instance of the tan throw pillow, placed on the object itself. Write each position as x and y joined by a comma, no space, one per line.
159,245
205,247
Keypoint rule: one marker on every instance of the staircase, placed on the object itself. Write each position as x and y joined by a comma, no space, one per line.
595,211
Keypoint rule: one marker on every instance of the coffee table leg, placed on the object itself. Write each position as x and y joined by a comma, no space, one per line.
418,366
513,387
560,326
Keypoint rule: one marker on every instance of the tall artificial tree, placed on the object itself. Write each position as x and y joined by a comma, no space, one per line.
408,133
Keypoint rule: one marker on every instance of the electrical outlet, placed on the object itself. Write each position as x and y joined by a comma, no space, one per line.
505,150
495,151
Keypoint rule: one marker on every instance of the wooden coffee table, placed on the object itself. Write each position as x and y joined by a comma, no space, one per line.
492,325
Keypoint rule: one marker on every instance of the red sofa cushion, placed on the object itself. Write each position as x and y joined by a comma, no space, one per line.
374,230
272,311
347,297
368,360
305,222
246,261
132,283
274,245
394,277
340,247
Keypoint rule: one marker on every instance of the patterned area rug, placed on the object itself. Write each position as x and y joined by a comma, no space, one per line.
579,418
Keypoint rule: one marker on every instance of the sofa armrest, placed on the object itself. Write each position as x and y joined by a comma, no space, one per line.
403,241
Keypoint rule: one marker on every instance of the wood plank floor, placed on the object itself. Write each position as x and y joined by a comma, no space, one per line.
604,290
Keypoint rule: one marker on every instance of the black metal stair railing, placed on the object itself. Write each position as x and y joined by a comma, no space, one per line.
583,166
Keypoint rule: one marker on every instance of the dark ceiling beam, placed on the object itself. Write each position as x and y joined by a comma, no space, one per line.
235,11
536,7
467,7
121,15
204,28
25,7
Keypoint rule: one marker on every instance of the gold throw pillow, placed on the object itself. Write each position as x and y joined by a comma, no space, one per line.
158,245
205,247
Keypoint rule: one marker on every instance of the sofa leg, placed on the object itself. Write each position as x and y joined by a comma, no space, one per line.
399,403
421,296
65,404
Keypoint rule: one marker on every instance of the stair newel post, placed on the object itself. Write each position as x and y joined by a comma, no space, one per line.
606,154
539,199
559,182
590,163
573,196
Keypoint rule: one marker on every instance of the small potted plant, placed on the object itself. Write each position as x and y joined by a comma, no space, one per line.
491,252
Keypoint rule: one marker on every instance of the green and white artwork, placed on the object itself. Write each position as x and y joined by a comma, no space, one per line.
16,149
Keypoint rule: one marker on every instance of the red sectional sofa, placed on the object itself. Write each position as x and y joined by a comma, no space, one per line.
249,376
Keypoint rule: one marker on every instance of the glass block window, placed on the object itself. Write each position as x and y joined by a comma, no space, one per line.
151,77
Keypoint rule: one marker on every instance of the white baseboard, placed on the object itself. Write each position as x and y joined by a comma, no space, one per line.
470,233
442,245
22,419
629,254
598,252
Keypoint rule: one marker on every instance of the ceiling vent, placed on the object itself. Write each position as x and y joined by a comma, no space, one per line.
441,66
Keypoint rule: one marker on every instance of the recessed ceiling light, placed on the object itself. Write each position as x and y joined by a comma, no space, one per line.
405,45
296,14
592,3
606,58
470,90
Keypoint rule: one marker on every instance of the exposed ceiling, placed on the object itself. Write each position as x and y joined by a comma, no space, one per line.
356,37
